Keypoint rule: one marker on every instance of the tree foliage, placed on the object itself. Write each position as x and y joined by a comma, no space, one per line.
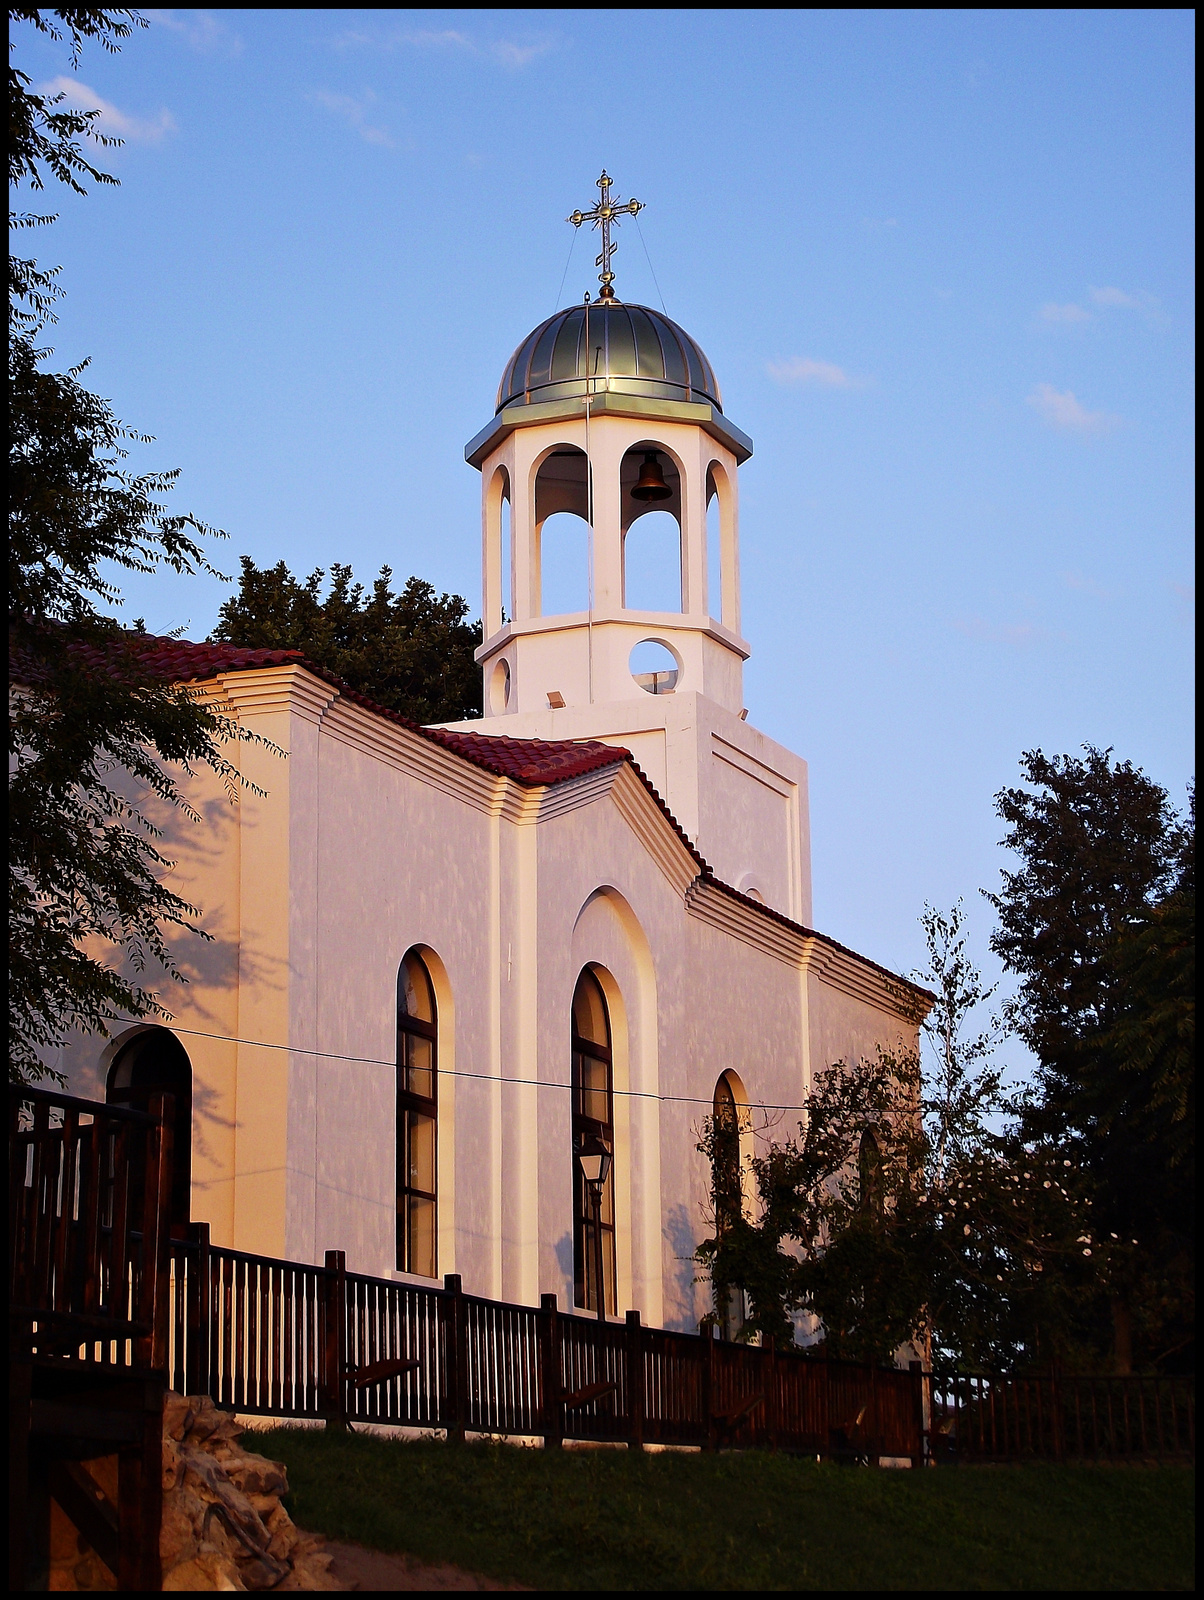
94,731
898,1214
410,652
1098,925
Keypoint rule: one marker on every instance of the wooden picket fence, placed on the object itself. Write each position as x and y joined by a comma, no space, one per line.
278,1338
94,1281
1000,1417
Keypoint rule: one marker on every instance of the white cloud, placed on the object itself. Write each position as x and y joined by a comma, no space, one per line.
1117,298
1063,409
802,369
204,32
117,124
1072,313
513,54
355,111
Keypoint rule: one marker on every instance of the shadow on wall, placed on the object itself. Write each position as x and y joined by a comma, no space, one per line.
564,1260
681,1307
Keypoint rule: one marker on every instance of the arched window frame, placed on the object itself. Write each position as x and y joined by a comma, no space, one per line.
417,1248
729,1122
869,1174
588,1128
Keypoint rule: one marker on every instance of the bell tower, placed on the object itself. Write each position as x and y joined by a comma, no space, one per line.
609,412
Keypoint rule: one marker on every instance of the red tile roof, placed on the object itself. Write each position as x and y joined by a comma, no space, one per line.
530,762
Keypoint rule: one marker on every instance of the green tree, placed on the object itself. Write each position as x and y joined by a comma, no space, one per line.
94,731
900,1212
1098,925
410,652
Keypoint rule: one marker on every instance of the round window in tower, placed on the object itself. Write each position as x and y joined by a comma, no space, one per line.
499,687
655,667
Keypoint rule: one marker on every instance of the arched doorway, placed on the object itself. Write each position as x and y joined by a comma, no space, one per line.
154,1061
593,1124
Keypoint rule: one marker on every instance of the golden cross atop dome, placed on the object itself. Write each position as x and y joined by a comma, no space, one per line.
602,215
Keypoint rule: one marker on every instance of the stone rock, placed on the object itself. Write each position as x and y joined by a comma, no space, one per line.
178,1415
173,1463
256,1475
183,1522
223,1524
310,1572
205,1571
208,1478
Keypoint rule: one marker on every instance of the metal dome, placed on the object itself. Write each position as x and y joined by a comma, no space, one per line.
631,350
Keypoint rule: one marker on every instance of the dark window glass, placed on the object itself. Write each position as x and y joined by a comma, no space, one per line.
155,1062
593,1119
417,1118
869,1173
727,1196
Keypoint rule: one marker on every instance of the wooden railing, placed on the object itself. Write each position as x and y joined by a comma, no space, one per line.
276,1338
1007,1418
88,1223
93,1279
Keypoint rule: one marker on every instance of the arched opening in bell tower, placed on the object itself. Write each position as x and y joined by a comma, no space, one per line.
499,552
723,591
650,493
561,551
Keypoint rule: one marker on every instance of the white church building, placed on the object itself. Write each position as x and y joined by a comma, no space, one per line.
446,960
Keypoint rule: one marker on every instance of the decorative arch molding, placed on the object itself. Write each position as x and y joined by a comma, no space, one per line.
609,939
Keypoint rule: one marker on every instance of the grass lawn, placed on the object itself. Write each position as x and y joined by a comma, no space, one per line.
606,1519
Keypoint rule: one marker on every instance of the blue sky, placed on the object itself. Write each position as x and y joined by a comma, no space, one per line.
941,262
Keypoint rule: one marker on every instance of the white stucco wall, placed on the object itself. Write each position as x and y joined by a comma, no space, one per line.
371,840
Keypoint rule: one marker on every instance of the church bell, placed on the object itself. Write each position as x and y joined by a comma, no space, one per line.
651,484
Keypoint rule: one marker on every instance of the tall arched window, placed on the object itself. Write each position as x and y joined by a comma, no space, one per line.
727,1195
154,1061
417,1111
593,1121
869,1173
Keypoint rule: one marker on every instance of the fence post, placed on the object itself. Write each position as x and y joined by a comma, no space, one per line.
156,1231
635,1380
196,1366
457,1359
875,1438
710,1437
1055,1401
769,1383
334,1316
553,1417
916,1368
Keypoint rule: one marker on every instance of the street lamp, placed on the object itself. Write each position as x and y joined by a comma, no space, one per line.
594,1159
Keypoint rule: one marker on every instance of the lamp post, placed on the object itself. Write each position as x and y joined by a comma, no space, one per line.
594,1159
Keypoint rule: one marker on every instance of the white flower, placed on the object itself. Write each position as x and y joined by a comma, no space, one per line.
999,1277
966,1229
1086,1252
1083,1238
1066,1163
1047,1184
1112,1236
